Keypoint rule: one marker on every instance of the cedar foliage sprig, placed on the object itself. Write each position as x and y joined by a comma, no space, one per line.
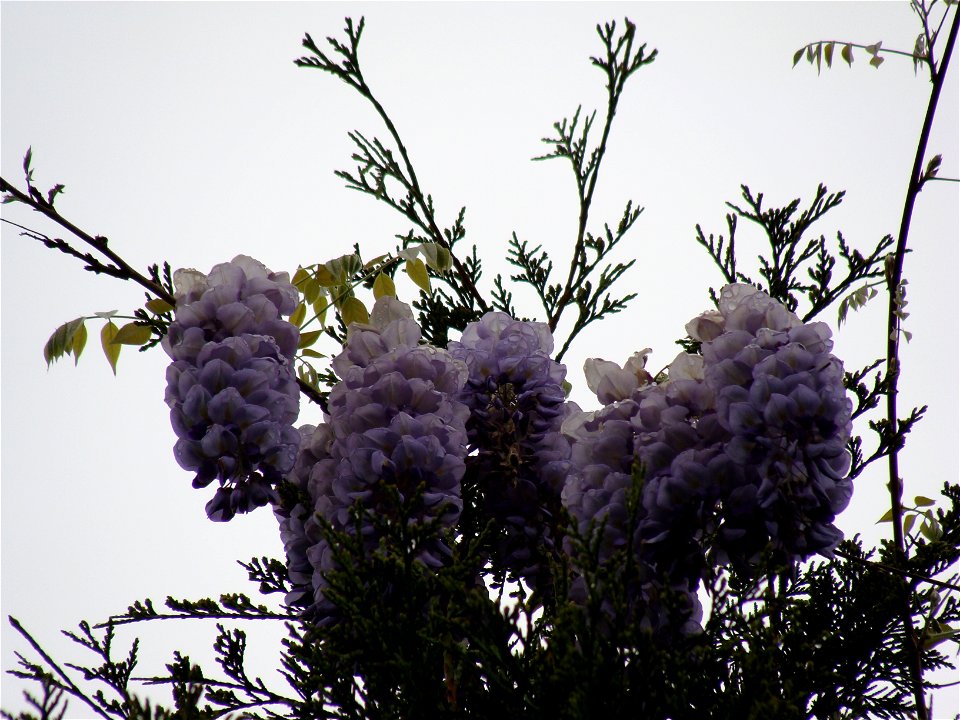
572,141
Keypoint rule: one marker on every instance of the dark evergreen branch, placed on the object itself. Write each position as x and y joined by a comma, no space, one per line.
348,70
99,243
725,260
232,606
899,572
571,141
51,705
68,684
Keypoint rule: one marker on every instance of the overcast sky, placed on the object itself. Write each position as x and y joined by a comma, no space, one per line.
183,132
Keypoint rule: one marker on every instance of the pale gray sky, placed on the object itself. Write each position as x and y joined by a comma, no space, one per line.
184,132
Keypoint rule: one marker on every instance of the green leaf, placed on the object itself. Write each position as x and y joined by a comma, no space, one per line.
61,341
307,352
438,257
158,306
929,640
383,285
79,342
300,277
320,309
908,522
298,315
132,334
828,54
933,167
418,273
847,54
876,61
887,517
326,278
797,55
311,291
353,311
106,315
370,264
309,338
922,501
110,349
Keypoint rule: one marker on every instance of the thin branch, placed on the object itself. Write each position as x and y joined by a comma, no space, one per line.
73,689
894,279
98,243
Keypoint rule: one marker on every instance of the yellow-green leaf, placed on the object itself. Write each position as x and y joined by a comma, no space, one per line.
61,341
298,315
353,311
418,273
438,257
847,54
921,501
797,55
887,517
311,291
828,54
325,277
320,309
132,334
908,522
383,285
79,342
300,277
307,352
158,306
110,349
370,264
309,338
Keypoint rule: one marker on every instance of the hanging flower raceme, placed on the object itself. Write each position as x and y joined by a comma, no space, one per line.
393,448
517,405
740,451
780,397
641,479
231,387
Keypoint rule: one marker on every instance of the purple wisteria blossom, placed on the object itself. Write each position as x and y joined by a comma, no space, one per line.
231,388
517,405
741,451
780,397
395,430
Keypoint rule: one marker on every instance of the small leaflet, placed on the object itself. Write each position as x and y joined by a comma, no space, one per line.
847,54
353,311
110,348
61,341
298,315
132,334
79,342
308,338
158,306
383,285
418,273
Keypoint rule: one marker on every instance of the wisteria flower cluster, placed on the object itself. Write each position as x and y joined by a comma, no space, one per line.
231,388
517,405
742,451
395,437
